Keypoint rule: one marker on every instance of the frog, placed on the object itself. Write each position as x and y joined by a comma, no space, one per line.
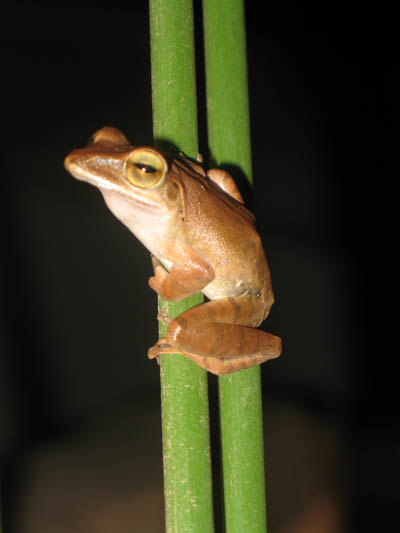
201,238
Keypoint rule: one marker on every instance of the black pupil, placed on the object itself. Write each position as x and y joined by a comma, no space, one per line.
145,168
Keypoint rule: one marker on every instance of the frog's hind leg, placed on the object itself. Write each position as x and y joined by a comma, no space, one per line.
214,337
225,364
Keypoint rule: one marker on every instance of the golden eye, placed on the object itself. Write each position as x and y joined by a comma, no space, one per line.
145,168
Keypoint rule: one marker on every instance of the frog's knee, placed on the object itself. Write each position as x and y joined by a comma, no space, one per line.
176,330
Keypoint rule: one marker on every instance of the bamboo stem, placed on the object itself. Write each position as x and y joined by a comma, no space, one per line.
184,390
229,143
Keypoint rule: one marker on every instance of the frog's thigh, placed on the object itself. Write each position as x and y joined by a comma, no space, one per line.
244,311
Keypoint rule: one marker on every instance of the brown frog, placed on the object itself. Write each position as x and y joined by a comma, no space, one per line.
201,238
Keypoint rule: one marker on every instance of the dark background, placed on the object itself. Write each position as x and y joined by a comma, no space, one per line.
79,401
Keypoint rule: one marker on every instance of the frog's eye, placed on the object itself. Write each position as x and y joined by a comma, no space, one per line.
145,168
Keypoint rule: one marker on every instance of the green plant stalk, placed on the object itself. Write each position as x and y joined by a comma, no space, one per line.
229,143
184,390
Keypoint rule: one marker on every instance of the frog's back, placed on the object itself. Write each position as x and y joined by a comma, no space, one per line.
223,232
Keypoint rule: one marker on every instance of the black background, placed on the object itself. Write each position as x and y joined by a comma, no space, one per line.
73,345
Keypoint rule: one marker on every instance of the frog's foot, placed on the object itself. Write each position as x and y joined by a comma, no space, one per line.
163,316
160,347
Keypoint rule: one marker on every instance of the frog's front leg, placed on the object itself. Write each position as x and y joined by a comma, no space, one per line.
220,336
181,281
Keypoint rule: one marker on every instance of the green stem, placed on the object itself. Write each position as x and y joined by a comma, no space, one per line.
184,391
226,79
229,143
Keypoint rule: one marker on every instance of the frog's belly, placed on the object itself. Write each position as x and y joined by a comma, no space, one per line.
218,289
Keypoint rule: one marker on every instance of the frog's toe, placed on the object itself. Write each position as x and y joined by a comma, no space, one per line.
163,316
159,348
